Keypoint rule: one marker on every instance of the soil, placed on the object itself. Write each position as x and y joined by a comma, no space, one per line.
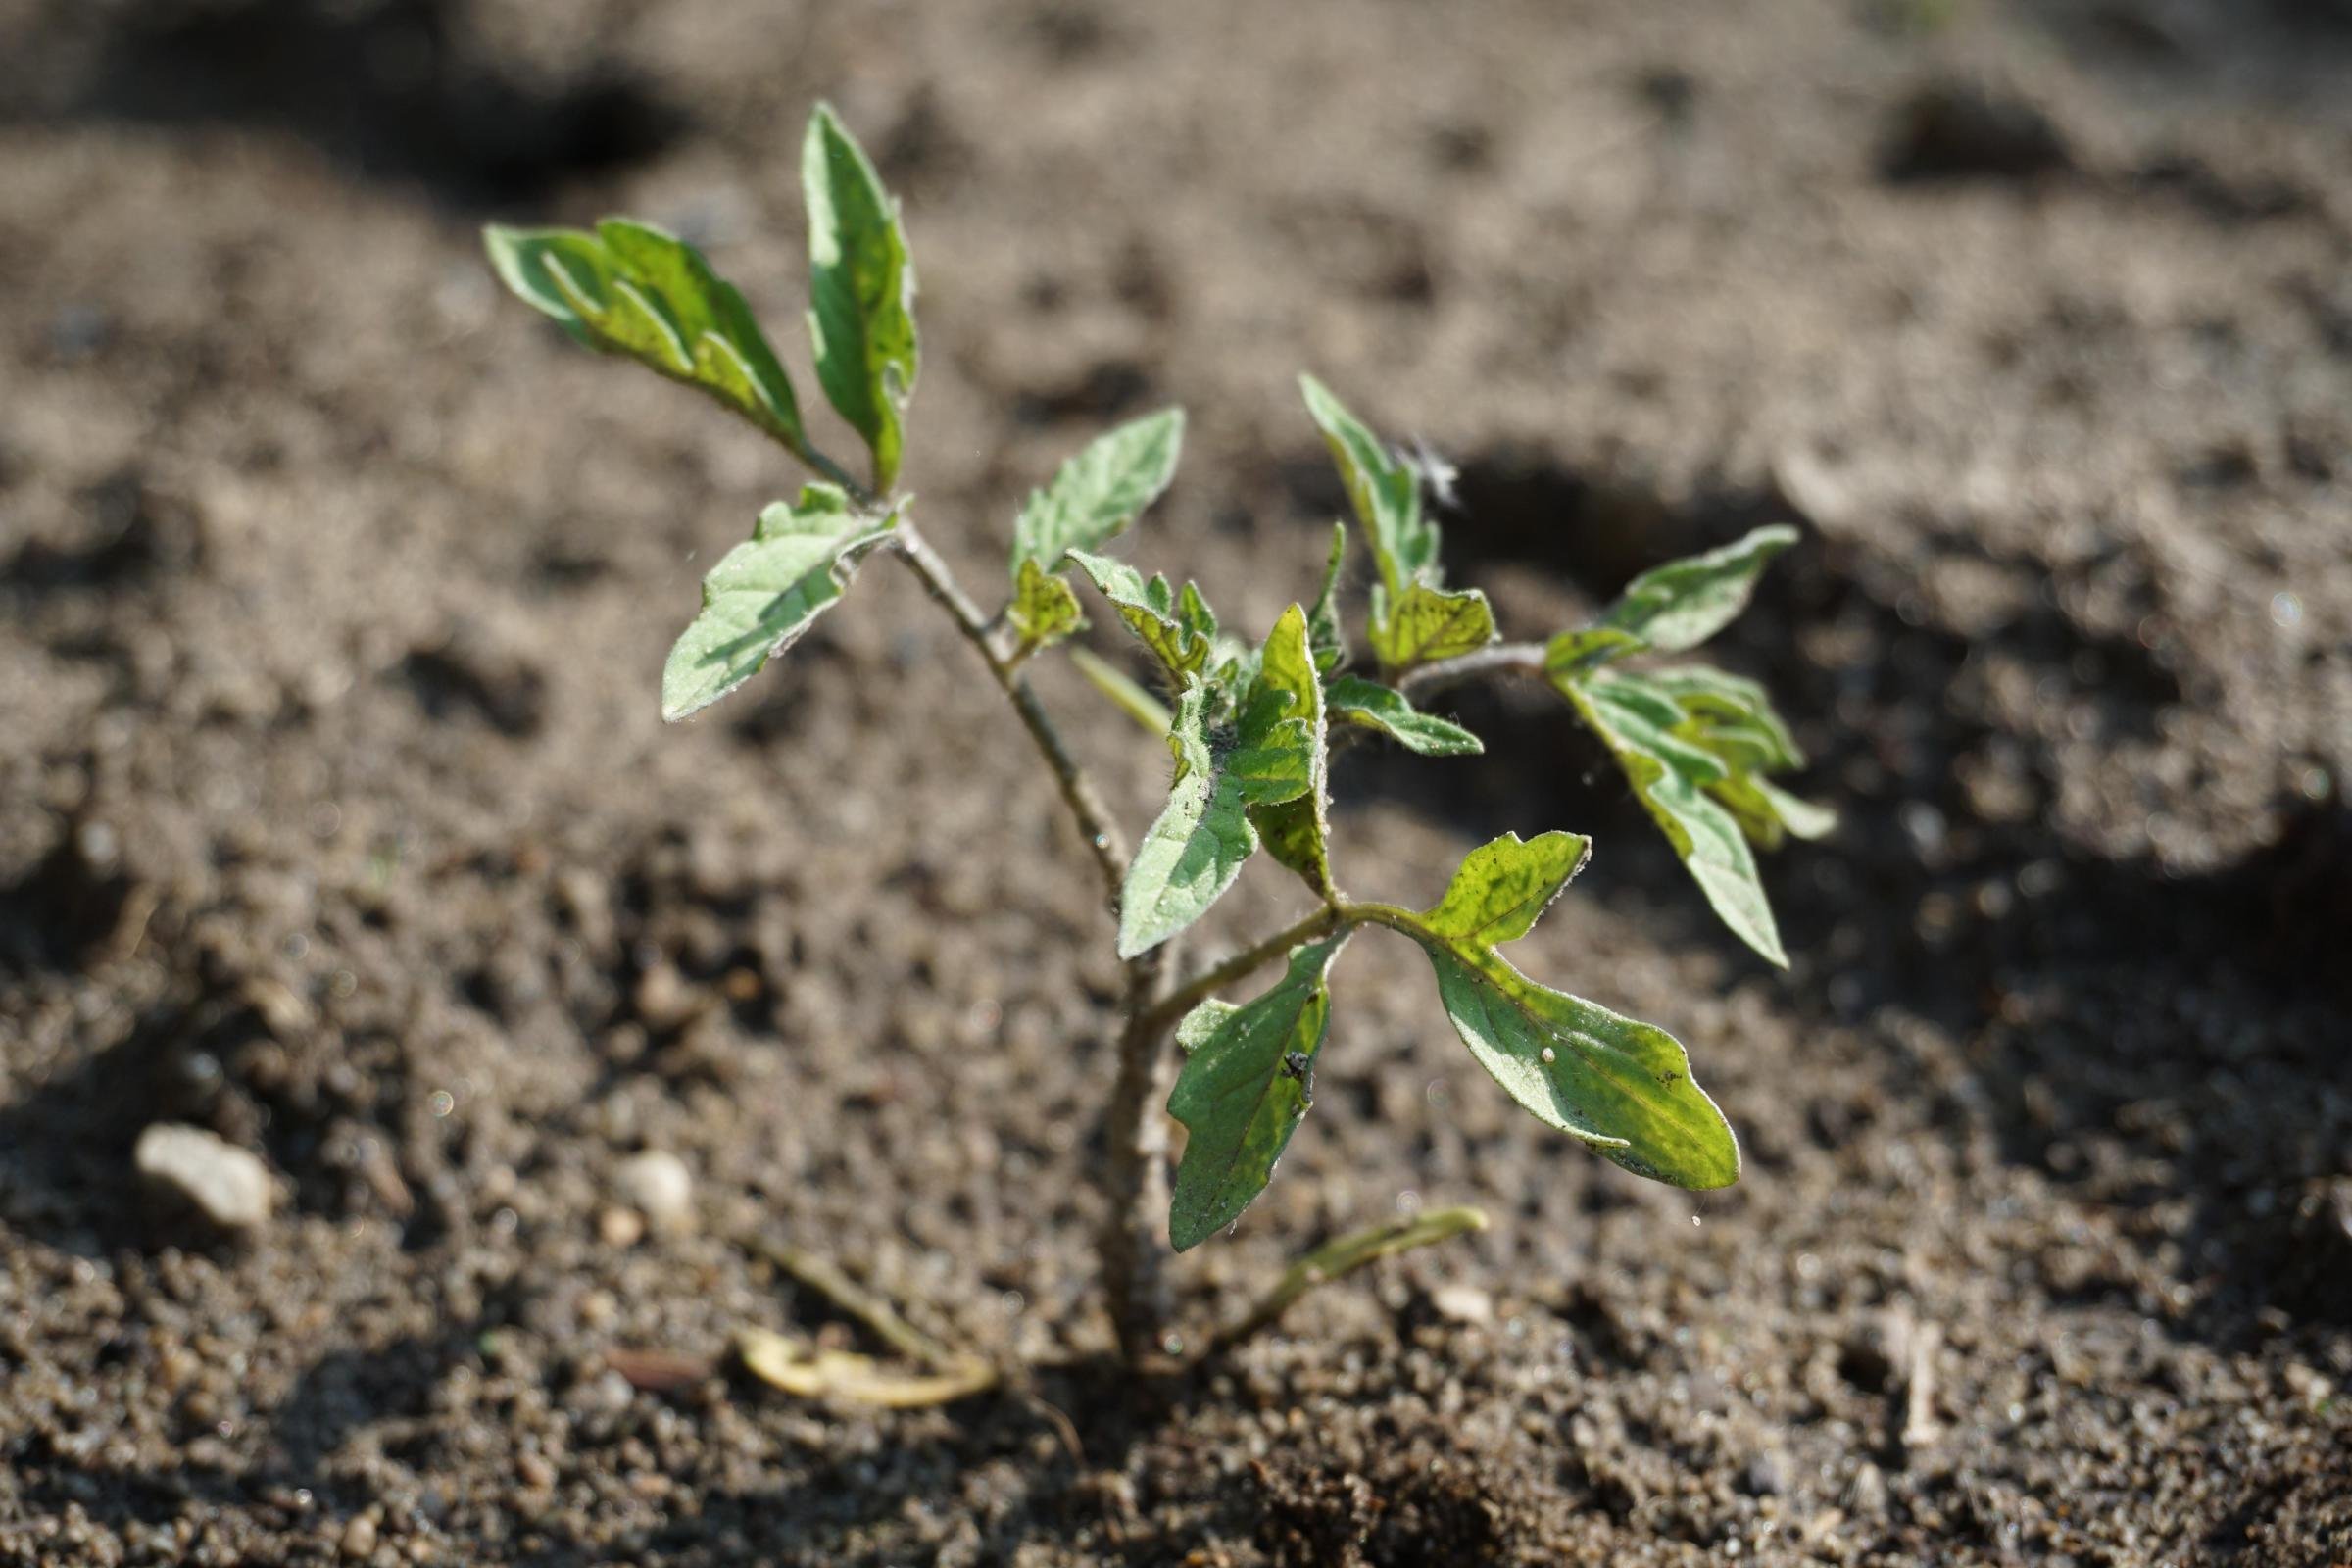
336,815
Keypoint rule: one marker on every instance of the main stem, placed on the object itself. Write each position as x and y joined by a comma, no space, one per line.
1133,1257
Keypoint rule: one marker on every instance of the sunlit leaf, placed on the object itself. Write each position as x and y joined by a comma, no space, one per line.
1098,495
1425,625
764,594
1324,633
635,291
1372,706
1683,602
1383,488
861,292
1623,1086
1178,629
1044,609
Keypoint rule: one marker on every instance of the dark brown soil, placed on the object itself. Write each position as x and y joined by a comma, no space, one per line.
335,813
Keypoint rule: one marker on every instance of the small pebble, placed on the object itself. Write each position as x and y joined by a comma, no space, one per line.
1463,1304
658,1184
203,1173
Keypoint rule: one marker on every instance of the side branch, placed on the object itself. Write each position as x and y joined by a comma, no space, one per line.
1503,659
1243,964
1095,822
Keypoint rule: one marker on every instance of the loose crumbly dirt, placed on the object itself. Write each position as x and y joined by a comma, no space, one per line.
336,816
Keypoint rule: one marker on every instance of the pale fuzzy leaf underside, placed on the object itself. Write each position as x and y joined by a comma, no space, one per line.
1097,494
764,594
1382,709
1247,1082
1683,602
861,292
633,290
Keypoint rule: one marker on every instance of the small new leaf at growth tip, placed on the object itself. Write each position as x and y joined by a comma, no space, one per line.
635,291
1044,609
861,292
1425,624
1247,1082
764,594
1371,706
1683,602
1383,488
1297,832
1179,629
1621,1086
1671,773
1196,846
1098,495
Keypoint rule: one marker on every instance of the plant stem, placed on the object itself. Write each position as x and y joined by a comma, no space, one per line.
1135,1175
1503,659
1183,999
1094,823
1133,1257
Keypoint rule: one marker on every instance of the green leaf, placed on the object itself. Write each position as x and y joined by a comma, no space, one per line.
860,291
1372,706
1621,1086
764,594
1384,490
1768,814
1576,653
1247,1082
1670,775
1196,846
633,290
1178,629
1297,832
1431,624
1324,634
1730,715
1099,492
1044,610
1683,602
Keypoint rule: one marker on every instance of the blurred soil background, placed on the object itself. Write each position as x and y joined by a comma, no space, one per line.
336,816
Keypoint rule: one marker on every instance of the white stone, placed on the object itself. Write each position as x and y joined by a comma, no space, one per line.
659,1186
229,1186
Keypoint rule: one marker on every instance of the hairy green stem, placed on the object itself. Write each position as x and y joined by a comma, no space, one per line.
1133,1256
1503,659
1240,965
1096,824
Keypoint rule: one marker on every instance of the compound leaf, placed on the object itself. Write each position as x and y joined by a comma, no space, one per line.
764,594
1683,602
1372,706
1098,495
1044,609
1623,1086
1297,832
860,291
632,290
1247,1084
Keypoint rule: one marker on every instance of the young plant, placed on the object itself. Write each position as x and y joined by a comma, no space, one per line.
1251,724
